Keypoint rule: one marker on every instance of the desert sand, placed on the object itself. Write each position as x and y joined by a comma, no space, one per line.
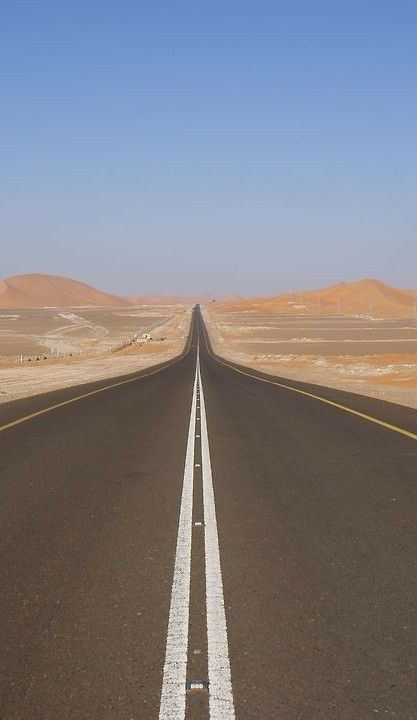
360,337
368,298
166,341
31,334
57,332
35,291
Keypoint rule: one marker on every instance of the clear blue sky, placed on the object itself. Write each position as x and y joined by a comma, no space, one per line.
233,146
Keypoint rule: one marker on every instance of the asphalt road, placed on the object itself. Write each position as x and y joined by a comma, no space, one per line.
115,509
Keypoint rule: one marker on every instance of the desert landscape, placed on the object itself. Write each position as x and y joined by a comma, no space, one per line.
56,332
29,335
360,337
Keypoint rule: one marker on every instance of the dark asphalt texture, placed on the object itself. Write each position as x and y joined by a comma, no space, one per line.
317,520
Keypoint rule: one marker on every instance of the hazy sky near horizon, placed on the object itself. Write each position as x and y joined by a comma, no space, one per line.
226,147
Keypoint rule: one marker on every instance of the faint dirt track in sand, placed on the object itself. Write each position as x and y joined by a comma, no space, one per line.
17,381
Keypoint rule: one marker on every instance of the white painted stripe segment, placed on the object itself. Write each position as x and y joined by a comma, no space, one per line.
172,705
220,688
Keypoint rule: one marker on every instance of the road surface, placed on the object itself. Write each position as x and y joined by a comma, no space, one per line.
198,542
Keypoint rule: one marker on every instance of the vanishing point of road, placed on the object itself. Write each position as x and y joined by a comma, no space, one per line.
199,541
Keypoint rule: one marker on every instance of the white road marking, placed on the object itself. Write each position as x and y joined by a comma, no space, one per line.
220,688
174,684
172,705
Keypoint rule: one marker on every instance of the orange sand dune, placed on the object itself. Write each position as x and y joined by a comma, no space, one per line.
364,297
33,291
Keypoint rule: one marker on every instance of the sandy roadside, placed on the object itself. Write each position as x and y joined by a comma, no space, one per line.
392,378
17,381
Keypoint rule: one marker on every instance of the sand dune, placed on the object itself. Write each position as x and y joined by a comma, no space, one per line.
34,291
365,297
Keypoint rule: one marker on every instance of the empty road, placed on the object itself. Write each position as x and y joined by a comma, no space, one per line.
203,541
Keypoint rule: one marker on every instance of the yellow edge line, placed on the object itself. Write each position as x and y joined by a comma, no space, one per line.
25,418
370,418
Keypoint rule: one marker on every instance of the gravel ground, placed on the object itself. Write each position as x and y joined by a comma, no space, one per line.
17,381
387,378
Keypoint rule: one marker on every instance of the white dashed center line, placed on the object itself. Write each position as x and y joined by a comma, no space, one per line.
220,684
172,705
175,684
